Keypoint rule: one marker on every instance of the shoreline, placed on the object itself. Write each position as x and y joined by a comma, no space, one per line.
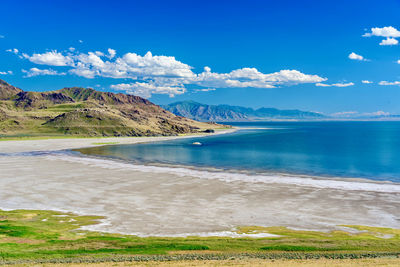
164,201
236,175
75,143
56,144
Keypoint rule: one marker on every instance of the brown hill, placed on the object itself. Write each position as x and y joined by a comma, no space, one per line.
87,112
7,90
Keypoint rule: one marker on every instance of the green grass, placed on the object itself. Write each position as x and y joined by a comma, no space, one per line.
65,107
47,235
21,137
44,136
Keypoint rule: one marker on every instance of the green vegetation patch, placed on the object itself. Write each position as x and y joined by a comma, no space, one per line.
106,143
35,235
66,107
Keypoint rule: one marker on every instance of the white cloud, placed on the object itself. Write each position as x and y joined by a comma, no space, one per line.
83,72
52,58
383,32
366,81
2,36
323,85
389,83
343,84
80,41
72,49
98,53
9,72
398,61
389,32
335,84
13,50
355,56
36,72
111,53
251,77
237,78
149,65
205,90
389,41
147,89
166,72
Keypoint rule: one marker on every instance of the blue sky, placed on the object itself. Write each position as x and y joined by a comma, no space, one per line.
249,53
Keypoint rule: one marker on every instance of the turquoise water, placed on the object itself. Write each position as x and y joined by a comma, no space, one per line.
335,149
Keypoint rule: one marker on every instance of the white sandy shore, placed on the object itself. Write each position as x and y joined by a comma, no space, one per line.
169,202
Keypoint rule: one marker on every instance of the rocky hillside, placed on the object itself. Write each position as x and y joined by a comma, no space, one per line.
202,112
87,112
7,91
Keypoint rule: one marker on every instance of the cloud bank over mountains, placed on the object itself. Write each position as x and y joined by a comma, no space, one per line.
153,74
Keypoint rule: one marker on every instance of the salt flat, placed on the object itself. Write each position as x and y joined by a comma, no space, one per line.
157,203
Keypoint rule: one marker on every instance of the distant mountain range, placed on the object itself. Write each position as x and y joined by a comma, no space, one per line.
86,112
203,112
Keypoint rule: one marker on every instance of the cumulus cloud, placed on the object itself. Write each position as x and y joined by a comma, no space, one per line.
149,65
52,58
335,84
355,56
237,78
37,72
251,77
389,41
9,72
388,31
366,81
111,53
2,36
389,83
398,61
146,89
163,74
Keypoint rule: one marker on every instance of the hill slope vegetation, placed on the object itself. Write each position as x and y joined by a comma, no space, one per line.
87,112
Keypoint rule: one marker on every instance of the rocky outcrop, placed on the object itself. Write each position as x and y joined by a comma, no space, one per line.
7,91
31,100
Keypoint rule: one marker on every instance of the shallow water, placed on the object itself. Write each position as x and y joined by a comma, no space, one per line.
368,150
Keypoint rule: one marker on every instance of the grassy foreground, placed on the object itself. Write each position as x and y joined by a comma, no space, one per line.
32,236
388,262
